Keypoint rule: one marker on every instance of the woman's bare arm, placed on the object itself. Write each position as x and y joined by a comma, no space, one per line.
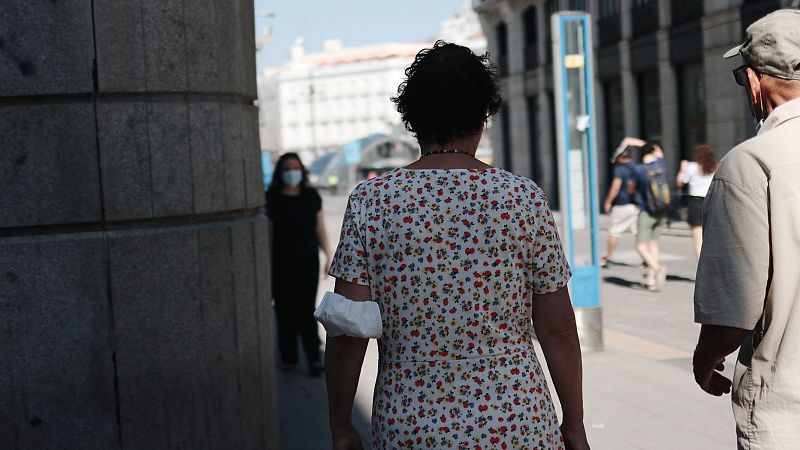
344,356
322,237
554,322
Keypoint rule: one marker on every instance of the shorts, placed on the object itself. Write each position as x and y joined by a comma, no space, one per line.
649,227
623,219
695,216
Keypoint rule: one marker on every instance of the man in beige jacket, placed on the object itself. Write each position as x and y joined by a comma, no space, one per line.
748,279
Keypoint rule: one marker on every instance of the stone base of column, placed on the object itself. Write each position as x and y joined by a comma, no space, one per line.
590,328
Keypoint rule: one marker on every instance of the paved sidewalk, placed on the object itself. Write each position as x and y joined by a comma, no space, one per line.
639,392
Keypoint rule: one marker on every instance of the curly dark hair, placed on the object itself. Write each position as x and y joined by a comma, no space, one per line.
705,157
449,92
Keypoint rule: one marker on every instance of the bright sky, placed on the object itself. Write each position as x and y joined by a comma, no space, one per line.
358,22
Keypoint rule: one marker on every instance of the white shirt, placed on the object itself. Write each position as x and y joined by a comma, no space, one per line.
698,181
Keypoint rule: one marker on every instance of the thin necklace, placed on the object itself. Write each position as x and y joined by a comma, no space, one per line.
439,152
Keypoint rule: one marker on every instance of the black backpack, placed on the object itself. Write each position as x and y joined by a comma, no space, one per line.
656,199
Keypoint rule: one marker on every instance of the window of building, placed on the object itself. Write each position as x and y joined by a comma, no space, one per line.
502,48
691,87
550,8
649,105
530,18
577,5
686,10
609,22
505,129
644,16
533,136
614,111
551,182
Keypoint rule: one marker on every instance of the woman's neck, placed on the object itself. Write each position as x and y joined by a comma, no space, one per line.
291,190
468,144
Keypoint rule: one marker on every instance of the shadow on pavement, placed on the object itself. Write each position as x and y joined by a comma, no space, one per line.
624,283
680,278
303,408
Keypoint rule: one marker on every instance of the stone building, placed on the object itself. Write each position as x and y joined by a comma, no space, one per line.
318,101
659,74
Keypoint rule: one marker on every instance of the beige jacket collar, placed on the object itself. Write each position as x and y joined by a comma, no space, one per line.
781,114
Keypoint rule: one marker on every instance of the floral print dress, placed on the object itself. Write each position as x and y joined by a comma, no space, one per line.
453,258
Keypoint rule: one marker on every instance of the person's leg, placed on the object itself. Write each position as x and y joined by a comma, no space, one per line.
697,237
287,331
661,270
644,232
613,241
307,325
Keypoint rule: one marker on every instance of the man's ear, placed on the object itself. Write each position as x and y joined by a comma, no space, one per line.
754,92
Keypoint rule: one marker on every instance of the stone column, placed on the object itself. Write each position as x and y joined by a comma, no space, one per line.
515,89
728,118
670,119
630,94
133,263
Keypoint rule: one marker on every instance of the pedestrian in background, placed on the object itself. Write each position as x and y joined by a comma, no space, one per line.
298,233
697,174
653,195
621,202
465,265
748,279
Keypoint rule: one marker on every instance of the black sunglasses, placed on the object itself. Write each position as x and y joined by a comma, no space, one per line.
740,75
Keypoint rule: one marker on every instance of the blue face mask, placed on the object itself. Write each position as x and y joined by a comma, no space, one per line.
292,178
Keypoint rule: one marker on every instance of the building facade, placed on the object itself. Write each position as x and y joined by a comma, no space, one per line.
659,75
316,102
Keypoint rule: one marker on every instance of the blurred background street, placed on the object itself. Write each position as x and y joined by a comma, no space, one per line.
639,392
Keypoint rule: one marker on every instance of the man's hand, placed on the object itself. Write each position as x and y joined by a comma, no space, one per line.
709,378
607,207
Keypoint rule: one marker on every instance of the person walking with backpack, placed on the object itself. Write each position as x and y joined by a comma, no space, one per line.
653,192
620,203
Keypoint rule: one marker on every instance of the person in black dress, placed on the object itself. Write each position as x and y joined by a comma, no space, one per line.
298,232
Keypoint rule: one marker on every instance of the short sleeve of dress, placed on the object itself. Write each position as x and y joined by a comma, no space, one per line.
350,261
552,271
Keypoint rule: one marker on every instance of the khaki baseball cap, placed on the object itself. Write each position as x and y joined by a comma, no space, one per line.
772,45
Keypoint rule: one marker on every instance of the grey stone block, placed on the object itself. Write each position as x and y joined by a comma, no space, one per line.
45,48
208,168
229,15
165,45
202,52
170,159
233,137
248,85
219,322
48,165
120,46
125,160
56,373
264,302
248,335
252,158
161,365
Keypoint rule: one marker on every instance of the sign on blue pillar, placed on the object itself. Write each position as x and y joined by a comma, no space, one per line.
577,164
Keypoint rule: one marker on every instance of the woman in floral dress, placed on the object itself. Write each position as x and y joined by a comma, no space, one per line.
465,264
